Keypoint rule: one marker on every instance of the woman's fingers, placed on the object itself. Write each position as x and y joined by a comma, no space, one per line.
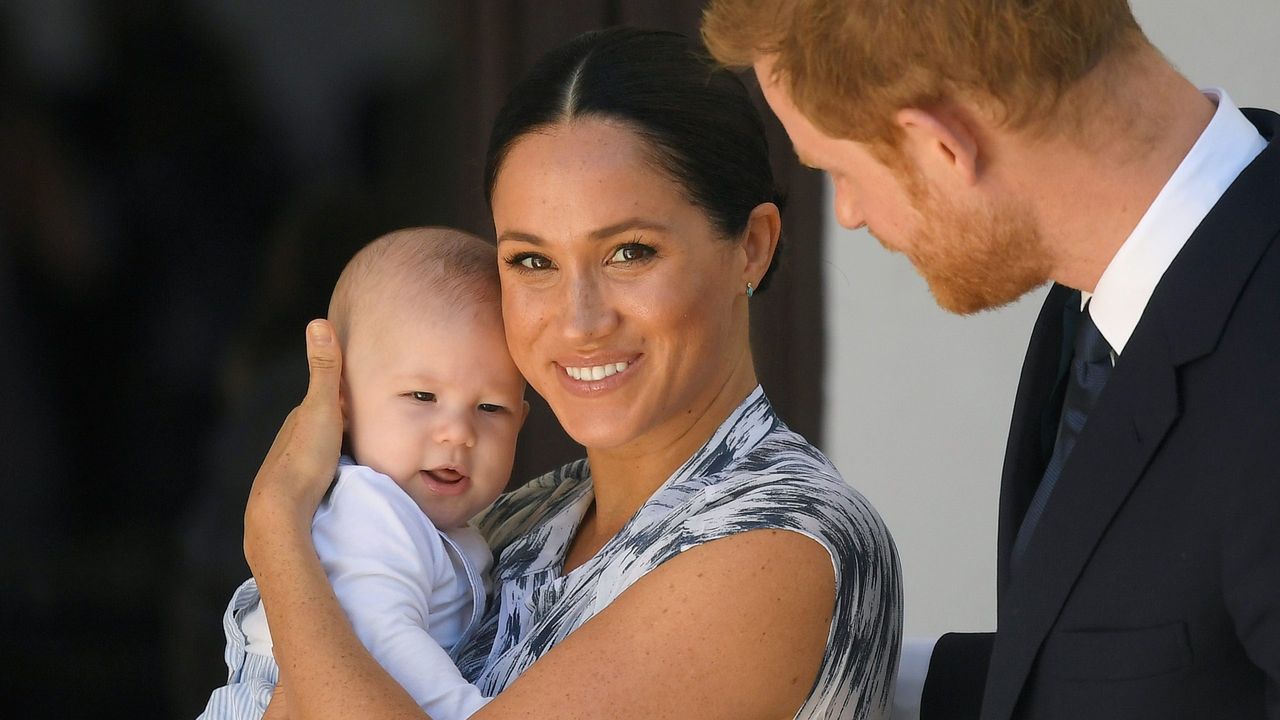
325,364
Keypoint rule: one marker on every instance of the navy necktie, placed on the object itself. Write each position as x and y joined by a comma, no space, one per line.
1088,373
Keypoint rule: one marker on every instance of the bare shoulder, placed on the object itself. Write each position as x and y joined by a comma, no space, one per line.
733,628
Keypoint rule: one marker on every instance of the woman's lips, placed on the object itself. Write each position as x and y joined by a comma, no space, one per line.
587,378
445,481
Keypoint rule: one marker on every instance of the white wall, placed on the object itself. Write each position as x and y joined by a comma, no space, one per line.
919,401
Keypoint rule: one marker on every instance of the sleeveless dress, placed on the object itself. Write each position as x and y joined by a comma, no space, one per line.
754,473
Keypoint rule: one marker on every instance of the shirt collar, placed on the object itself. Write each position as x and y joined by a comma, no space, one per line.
1227,145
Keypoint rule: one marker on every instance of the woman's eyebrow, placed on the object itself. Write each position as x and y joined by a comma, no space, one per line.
634,223
517,236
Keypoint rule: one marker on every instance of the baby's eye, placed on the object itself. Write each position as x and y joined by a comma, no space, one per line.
490,408
422,396
631,252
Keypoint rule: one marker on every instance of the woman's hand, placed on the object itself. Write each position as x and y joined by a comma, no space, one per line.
300,465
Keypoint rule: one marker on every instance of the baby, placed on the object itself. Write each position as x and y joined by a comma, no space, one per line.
432,404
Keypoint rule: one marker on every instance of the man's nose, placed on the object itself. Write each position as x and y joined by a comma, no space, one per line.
847,210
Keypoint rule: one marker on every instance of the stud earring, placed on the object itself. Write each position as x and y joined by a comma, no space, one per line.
750,290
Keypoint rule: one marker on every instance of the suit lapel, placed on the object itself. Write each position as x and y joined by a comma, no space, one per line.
1183,321
1032,428
1136,410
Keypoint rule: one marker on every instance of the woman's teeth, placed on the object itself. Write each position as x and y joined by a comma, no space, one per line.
595,372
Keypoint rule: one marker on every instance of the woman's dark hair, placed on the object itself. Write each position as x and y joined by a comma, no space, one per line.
696,116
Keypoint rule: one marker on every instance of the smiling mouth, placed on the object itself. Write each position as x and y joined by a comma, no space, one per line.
595,372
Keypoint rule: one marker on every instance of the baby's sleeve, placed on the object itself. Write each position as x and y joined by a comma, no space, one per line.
251,679
383,558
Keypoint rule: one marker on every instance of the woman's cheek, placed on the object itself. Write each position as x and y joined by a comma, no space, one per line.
523,316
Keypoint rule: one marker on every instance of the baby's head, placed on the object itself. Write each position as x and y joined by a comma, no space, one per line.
430,395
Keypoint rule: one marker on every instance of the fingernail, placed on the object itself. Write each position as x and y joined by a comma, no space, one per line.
318,332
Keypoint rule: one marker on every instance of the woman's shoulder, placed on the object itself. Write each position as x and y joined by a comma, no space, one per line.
514,513
784,482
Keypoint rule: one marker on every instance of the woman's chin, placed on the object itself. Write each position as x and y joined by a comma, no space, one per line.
593,432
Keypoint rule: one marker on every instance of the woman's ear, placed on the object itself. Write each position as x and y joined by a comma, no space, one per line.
943,144
760,242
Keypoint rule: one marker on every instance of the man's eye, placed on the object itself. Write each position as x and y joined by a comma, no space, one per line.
631,252
490,408
422,396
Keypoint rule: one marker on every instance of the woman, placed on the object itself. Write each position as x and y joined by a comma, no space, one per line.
703,561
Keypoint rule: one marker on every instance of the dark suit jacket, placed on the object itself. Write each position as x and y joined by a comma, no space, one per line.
1151,587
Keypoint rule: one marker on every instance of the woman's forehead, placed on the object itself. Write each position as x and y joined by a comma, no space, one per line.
583,176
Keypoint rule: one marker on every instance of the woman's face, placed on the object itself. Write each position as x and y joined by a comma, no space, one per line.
623,306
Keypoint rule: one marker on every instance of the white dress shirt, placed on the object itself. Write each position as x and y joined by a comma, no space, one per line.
1226,146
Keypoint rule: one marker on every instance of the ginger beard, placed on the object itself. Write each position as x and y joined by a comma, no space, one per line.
973,258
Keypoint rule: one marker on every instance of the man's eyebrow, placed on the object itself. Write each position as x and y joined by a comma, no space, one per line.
633,223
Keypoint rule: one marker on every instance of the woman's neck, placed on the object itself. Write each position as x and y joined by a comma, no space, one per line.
625,477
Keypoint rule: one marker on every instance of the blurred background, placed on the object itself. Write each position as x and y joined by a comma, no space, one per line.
180,183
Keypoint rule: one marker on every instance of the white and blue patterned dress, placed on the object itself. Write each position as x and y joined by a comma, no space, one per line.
754,473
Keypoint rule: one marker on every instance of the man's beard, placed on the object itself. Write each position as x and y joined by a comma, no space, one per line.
976,259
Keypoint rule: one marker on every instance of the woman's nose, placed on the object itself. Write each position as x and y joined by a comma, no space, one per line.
587,312
455,427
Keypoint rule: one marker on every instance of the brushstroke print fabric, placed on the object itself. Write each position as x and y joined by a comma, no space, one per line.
753,474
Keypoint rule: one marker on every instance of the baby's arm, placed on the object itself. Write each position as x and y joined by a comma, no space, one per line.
383,557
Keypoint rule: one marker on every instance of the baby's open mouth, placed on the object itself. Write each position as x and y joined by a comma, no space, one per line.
447,476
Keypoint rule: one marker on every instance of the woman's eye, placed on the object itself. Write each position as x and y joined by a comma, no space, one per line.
529,261
422,396
631,252
490,408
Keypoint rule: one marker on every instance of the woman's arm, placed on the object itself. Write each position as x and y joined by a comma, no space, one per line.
735,628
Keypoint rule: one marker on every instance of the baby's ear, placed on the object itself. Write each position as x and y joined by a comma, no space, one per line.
524,412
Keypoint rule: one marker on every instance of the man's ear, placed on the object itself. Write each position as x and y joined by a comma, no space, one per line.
942,144
760,242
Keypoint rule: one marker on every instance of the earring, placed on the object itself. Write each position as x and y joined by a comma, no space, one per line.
750,290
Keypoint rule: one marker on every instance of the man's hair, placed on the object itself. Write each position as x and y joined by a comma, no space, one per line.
849,65
423,266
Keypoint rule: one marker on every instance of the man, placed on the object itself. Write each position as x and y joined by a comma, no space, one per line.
1001,144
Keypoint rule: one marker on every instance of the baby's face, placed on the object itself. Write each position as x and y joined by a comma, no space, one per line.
435,403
